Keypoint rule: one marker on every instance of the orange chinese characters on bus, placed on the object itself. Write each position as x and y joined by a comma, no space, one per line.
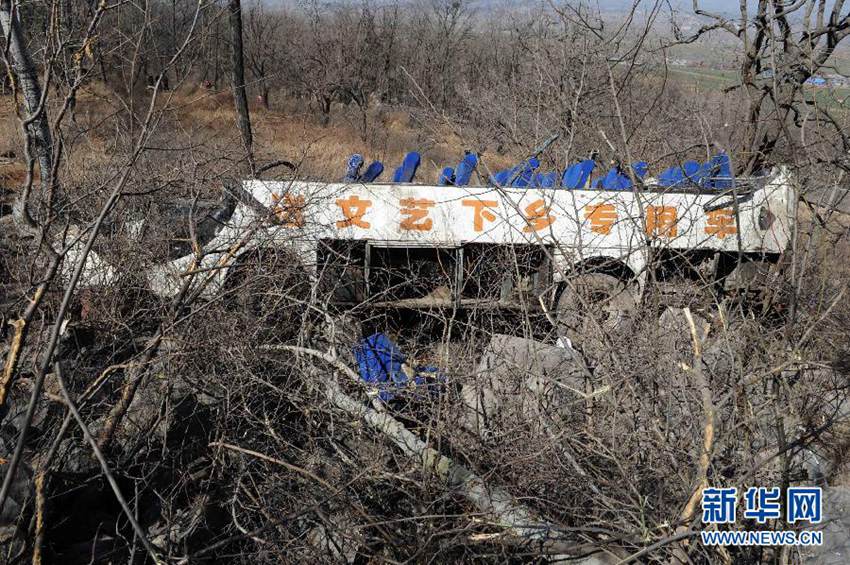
481,210
661,221
537,216
353,209
602,217
721,223
289,209
416,210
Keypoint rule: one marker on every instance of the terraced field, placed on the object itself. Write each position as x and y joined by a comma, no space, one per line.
716,79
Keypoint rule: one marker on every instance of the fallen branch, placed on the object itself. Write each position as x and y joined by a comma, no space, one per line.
677,537
128,392
274,164
495,503
300,470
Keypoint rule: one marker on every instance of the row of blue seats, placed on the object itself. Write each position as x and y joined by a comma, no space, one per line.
406,172
716,173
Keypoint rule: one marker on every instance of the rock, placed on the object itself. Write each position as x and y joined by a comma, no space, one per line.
829,198
159,407
675,330
77,457
675,336
14,413
749,275
836,530
518,380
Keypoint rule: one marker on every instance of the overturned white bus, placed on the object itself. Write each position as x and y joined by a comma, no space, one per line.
447,246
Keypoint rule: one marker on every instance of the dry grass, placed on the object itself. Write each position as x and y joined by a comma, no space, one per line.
194,117
12,171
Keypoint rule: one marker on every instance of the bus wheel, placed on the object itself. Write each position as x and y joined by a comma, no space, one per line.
592,305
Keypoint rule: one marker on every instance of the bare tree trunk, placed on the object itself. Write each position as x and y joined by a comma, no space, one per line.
26,74
243,118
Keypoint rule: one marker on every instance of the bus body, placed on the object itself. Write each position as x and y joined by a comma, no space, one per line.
366,228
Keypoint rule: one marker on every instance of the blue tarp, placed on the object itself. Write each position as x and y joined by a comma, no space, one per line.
672,176
355,163
716,173
617,179
379,362
720,172
520,176
614,180
447,177
524,178
502,178
545,180
692,171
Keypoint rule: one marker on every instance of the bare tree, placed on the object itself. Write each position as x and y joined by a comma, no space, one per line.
783,45
35,124
263,51
240,96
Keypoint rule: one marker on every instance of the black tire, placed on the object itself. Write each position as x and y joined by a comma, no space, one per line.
592,305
